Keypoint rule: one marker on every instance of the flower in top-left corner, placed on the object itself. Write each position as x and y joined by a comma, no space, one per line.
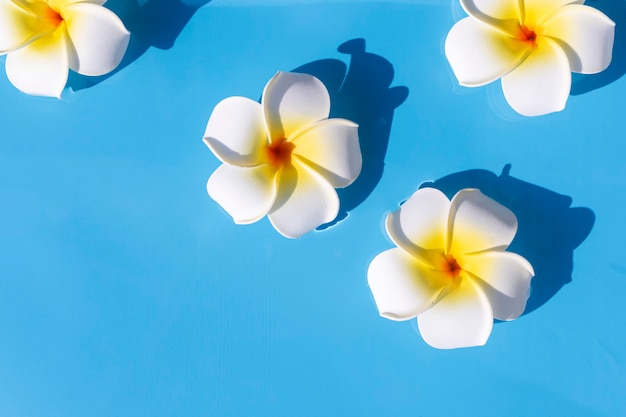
282,157
44,39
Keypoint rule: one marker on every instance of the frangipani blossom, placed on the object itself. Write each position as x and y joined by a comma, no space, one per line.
450,269
44,39
532,45
283,157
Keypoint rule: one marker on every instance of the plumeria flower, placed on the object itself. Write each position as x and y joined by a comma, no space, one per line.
283,157
44,39
532,45
450,269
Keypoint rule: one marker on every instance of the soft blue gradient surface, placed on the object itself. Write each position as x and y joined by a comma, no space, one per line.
126,291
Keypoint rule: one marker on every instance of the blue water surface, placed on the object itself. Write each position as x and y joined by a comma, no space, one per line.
126,291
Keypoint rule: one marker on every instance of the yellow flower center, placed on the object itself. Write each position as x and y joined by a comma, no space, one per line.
279,152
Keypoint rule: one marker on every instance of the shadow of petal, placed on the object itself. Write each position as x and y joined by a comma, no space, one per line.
363,94
152,23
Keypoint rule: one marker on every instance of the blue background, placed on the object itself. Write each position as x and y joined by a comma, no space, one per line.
126,291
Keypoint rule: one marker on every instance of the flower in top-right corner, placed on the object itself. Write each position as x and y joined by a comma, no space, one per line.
532,45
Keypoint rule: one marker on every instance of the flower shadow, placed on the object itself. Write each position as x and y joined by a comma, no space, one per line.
616,11
548,228
362,93
152,23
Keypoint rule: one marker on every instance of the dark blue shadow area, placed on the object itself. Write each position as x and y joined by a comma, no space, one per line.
616,10
363,94
152,23
548,228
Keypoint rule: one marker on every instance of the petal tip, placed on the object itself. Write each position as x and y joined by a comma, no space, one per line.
287,234
444,345
392,316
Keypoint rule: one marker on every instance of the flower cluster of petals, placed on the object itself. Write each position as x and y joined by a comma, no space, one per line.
450,268
282,157
44,39
532,46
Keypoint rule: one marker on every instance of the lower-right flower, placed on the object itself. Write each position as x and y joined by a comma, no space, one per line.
451,269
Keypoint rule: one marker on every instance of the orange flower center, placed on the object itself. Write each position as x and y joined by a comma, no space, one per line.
279,152
451,267
46,13
527,35
55,18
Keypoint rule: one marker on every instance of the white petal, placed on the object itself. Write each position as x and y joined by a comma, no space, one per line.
17,26
420,224
293,101
501,15
537,11
498,9
98,36
41,67
462,318
588,34
402,286
236,132
541,84
247,194
305,200
331,147
505,279
478,223
60,4
479,54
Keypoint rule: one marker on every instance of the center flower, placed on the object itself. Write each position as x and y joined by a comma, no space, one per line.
283,157
279,152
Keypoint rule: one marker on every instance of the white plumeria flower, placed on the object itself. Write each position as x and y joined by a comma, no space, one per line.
282,158
532,45
450,269
44,39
